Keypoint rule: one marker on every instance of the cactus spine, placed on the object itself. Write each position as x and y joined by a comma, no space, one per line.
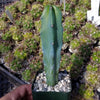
51,37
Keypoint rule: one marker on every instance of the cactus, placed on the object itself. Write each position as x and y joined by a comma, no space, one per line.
51,38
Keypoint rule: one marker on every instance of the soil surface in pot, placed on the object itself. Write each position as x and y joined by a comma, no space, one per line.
64,83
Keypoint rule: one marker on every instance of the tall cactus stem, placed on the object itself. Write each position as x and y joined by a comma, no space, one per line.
51,37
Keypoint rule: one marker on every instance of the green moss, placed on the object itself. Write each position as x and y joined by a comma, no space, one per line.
40,53
20,53
4,17
13,29
86,93
27,47
74,1
35,65
27,35
76,64
23,6
69,24
96,35
80,16
80,8
4,47
76,60
28,23
7,36
67,37
83,40
68,68
90,31
9,58
74,44
65,61
37,26
46,2
26,1
16,33
30,45
92,78
19,21
16,65
85,51
40,1
13,9
36,10
3,25
85,3
96,57
37,38
26,74
87,29
16,36
82,89
69,28
67,7
91,67
89,93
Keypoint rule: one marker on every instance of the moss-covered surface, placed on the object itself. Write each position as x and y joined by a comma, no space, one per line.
20,44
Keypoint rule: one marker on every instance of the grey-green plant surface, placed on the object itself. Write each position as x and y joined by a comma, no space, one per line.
51,37
20,45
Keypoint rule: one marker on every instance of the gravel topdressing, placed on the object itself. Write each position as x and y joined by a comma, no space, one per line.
64,83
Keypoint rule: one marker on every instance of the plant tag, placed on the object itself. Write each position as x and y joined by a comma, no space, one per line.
61,1
95,7
93,14
9,15
64,6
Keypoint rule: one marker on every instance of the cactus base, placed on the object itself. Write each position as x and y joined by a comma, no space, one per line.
49,95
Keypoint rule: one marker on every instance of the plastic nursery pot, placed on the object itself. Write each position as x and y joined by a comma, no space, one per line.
49,95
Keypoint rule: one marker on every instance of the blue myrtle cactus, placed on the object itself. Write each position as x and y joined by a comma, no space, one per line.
51,37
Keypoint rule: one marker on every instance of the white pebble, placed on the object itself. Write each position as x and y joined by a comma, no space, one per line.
64,84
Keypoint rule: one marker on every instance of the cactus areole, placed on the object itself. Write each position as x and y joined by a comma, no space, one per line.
51,37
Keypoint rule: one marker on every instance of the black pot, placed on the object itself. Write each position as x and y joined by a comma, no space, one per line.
49,95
